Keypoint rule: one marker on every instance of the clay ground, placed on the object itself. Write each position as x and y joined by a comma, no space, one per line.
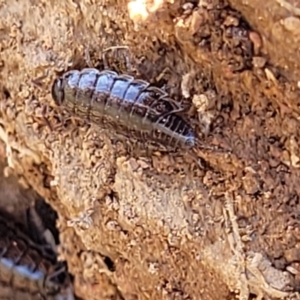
158,226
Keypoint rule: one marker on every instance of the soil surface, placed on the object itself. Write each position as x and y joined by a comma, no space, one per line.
156,225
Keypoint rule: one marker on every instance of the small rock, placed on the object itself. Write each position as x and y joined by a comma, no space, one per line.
188,8
196,22
291,24
231,21
292,255
256,40
251,184
258,62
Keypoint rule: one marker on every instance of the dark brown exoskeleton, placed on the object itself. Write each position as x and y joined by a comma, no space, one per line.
129,106
29,270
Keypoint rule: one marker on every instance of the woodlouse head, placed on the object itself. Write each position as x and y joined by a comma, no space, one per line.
57,91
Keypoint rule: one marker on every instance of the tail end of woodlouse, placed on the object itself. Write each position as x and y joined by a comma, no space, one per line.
57,91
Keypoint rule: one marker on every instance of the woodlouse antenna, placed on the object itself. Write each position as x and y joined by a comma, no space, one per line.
217,149
117,48
38,82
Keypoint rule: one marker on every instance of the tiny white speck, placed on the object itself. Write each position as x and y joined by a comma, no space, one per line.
53,183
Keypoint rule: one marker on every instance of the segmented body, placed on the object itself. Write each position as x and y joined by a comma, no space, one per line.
131,107
27,270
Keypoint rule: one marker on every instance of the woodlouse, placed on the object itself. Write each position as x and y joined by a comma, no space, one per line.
131,107
29,270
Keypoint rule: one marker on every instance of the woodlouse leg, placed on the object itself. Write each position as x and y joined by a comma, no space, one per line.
62,121
117,48
201,163
60,268
45,111
162,77
38,82
87,57
162,74
40,234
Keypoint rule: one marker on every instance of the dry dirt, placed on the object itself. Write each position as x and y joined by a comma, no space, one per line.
158,227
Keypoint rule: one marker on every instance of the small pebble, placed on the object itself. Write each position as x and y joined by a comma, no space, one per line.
259,62
256,40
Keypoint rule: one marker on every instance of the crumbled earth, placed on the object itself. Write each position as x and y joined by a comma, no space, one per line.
275,20
15,197
158,226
